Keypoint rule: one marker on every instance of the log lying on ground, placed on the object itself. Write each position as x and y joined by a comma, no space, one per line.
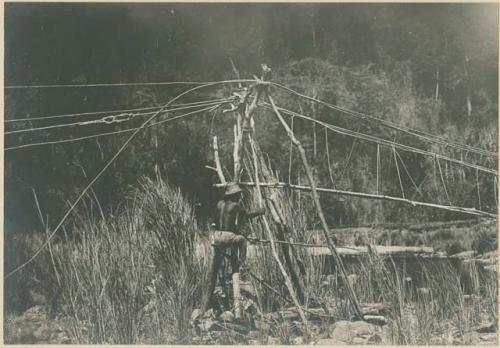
380,249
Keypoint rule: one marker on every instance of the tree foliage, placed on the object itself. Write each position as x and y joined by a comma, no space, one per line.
427,66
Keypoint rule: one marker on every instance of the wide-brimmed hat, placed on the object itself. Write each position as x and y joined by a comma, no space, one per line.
232,188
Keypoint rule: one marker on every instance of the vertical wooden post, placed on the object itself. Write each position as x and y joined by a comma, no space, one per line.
243,123
215,255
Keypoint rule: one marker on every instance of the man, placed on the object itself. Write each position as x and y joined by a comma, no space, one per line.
231,216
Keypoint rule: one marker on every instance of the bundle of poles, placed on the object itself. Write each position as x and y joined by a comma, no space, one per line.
244,125
243,129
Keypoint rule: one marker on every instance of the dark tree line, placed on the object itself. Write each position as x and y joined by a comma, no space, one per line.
429,66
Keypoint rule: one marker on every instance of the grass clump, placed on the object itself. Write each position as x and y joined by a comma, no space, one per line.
132,276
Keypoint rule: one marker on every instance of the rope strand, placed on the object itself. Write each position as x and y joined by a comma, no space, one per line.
44,118
84,191
109,119
103,134
126,84
381,141
414,132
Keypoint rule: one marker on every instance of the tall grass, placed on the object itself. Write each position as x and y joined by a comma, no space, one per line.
132,276
182,277
426,300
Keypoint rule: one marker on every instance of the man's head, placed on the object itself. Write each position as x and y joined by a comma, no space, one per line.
233,191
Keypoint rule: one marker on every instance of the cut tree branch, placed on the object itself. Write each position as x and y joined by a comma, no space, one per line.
317,204
471,211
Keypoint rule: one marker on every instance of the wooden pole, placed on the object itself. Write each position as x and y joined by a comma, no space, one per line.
218,166
471,211
216,256
319,210
280,223
288,283
243,124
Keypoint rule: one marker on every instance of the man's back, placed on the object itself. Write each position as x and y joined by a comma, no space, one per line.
228,215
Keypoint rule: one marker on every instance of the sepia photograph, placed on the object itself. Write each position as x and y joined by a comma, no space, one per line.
250,173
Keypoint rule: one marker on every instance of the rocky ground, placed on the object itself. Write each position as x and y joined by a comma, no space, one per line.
283,328
34,326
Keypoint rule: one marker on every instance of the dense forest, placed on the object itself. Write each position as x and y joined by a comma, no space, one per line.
432,67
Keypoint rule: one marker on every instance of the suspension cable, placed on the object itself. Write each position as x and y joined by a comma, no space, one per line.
125,84
110,119
414,132
381,141
106,133
44,118
84,191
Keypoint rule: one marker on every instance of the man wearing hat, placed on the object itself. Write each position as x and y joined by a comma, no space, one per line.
230,217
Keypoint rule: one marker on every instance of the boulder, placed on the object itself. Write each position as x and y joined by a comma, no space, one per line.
227,316
273,340
355,332
196,314
299,340
487,328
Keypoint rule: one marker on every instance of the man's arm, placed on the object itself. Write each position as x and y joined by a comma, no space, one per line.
255,213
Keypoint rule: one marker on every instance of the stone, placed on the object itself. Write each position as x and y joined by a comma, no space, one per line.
196,314
208,325
488,339
298,340
227,316
350,331
471,338
209,314
247,287
353,279
487,328
374,339
253,334
273,340
376,319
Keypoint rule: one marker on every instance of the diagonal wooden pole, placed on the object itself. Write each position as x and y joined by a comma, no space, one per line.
317,204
